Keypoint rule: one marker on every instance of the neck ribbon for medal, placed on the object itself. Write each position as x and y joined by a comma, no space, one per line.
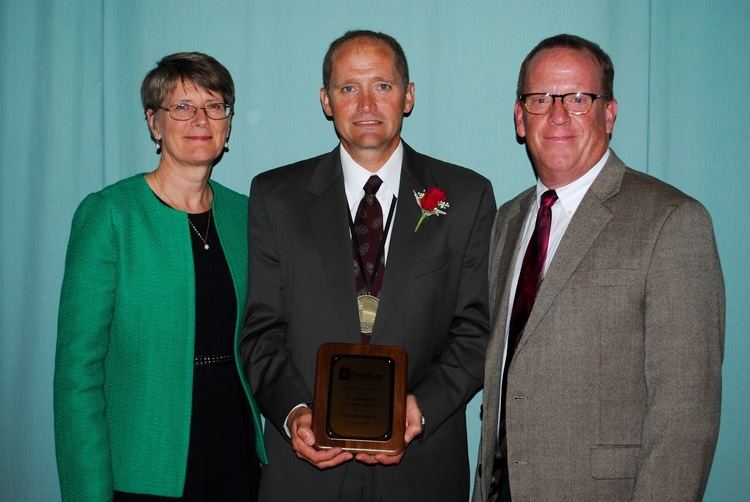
367,304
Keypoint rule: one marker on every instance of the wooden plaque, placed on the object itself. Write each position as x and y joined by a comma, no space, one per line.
360,398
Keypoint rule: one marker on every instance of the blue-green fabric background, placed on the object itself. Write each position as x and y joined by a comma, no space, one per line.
72,123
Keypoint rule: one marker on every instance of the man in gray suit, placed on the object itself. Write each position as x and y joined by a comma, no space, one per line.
306,285
603,380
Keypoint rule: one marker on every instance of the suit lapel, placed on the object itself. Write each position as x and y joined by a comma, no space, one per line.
501,269
405,242
506,241
588,221
327,214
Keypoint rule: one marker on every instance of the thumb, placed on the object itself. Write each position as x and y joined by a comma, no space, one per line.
306,435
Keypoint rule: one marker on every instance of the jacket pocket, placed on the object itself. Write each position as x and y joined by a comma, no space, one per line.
614,462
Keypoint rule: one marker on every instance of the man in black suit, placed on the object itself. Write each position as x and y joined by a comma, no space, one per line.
430,283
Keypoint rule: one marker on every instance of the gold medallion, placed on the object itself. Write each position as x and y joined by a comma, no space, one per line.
367,305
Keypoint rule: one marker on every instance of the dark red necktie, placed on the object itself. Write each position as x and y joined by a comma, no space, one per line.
532,269
368,228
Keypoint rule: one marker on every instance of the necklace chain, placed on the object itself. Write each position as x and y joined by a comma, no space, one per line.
173,204
208,225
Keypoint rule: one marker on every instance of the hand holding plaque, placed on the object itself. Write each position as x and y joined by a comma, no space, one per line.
360,398
414,428
303,442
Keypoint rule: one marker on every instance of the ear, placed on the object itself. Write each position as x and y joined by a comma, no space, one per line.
152,125
325,102
409,98
610,111
518,115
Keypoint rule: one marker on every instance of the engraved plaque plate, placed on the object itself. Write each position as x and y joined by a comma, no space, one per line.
360,398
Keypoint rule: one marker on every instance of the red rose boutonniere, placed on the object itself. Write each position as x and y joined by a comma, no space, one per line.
432,201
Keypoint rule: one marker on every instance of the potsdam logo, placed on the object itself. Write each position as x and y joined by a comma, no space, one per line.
347,373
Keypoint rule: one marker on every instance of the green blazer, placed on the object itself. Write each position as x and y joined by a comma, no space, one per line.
124,364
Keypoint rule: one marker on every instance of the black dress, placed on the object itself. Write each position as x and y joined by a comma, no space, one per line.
222,465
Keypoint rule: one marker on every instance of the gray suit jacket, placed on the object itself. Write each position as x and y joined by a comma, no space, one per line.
301,294
614,391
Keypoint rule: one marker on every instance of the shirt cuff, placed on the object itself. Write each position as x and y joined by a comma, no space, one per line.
286,420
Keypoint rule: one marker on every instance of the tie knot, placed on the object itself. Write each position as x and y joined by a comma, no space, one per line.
548,198
372,185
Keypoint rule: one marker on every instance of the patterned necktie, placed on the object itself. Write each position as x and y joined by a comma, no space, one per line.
529,279
368,227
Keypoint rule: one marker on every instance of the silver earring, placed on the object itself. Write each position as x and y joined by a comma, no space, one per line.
226,146
158,146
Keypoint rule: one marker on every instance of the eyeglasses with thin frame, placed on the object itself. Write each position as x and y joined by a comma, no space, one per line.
184,111
575,103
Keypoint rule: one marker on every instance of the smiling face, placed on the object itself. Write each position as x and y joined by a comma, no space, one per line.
367,100
564,147
195,142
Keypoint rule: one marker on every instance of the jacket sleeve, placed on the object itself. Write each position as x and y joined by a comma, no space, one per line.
269,365
453,378
684,337
86,307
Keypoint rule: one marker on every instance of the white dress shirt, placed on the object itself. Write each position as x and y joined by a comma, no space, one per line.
355,177
569,198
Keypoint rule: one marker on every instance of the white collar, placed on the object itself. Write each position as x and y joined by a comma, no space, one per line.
571,195
355,176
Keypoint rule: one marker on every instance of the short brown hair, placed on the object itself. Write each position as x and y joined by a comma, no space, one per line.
576,43
196,67
399,57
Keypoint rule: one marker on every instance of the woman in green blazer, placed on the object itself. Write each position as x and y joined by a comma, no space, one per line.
149,400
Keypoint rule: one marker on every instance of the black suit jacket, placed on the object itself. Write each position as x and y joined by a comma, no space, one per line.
433,303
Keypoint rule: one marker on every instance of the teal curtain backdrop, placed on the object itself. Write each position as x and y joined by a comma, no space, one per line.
72,123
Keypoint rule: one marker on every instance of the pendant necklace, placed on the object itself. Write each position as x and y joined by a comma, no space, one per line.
208,225
172,203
